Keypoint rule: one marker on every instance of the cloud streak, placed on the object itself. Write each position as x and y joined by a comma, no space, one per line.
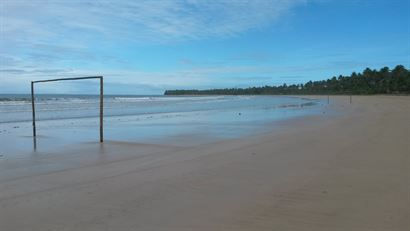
49,38
159,20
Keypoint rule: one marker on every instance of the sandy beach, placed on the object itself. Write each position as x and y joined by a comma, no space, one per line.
346,169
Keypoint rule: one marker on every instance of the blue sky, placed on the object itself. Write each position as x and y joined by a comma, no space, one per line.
145,47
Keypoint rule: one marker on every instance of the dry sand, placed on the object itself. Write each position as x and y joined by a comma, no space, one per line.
347,171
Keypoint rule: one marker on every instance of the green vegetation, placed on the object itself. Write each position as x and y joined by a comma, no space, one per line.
384,81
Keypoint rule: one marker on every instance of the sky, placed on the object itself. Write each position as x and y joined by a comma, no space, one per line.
145,47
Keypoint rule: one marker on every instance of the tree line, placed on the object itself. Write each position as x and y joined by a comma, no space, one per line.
383,81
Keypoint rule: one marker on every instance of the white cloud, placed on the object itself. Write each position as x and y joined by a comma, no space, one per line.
137,20
38,36
194,77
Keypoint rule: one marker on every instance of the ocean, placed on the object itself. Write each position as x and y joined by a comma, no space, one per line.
66,119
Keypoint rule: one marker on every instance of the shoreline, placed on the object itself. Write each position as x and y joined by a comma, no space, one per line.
196,126
349,171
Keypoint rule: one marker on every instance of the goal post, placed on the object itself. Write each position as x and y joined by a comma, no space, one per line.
65,79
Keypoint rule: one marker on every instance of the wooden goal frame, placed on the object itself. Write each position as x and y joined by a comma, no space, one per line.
65,79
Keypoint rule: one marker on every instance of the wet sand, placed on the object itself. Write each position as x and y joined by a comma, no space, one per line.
346,171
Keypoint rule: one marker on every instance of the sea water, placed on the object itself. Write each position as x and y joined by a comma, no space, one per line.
63,119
